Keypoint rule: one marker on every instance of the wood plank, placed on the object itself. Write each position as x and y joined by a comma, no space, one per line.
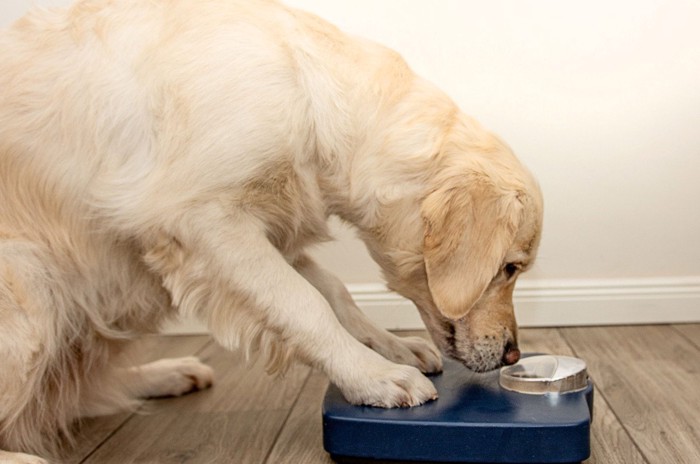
649,376
236,420
690,332
301,439
543,341
610,443
94,431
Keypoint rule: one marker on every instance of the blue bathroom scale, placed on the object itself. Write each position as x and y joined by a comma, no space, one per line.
474,420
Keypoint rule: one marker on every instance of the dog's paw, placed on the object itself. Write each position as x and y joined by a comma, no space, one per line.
20,458
412,351
175,377
393,386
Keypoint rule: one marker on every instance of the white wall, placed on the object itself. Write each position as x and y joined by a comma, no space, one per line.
600,99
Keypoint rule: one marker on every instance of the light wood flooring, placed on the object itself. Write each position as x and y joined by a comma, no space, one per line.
647,404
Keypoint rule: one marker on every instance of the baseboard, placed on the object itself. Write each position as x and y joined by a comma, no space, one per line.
548,303
608,301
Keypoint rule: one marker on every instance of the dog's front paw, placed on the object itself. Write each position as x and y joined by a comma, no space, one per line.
175,377
394,385
413,351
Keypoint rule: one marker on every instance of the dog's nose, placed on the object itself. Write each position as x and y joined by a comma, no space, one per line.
511,354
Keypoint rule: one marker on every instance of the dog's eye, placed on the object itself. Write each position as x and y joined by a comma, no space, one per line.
510,269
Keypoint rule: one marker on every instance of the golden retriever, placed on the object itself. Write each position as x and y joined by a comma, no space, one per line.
164,157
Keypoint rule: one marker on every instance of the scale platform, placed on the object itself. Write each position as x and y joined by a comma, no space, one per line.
475,420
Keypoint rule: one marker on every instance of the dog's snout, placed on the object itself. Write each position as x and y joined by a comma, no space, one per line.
511,354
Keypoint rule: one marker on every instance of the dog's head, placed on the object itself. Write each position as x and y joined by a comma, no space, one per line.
463,244
480,232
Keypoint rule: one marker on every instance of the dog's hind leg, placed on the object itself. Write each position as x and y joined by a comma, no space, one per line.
220,265
36,382
124,388
413,351
20,458
168,377
162,378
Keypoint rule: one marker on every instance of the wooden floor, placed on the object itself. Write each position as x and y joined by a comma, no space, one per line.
647,405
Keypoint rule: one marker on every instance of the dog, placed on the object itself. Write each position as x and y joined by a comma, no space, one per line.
162,158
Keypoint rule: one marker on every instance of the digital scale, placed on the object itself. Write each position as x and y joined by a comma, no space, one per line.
536,411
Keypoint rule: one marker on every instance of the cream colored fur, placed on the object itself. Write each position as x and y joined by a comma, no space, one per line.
163,157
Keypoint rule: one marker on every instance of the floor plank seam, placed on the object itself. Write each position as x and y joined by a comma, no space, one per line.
107,438
204,347
286,418
605,399
685,337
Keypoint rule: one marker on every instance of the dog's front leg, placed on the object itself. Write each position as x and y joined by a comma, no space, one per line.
224,269
413,351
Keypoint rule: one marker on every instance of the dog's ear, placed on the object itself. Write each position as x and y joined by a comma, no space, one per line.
469,224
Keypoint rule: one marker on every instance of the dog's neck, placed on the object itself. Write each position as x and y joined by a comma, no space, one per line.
387,158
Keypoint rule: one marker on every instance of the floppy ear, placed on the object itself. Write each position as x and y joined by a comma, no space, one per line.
468,228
